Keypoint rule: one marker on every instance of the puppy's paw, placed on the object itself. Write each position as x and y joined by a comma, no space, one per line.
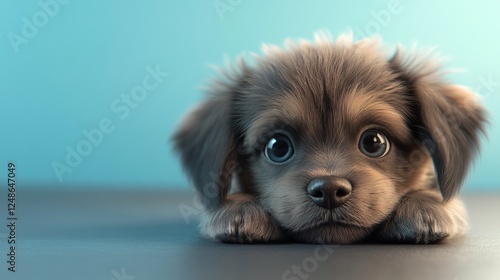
240,220
423,218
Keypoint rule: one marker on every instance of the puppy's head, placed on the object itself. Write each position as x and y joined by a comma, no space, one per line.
329,136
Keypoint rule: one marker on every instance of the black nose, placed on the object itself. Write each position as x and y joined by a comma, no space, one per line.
329,191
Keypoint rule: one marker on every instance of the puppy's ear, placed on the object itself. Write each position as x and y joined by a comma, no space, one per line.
206,141
446,117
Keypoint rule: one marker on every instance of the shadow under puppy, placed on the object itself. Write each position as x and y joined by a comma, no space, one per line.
332,142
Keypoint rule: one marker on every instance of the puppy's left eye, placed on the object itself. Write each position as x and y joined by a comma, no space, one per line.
279,149
374,143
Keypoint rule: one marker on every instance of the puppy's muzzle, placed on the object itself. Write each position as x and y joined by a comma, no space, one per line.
329,191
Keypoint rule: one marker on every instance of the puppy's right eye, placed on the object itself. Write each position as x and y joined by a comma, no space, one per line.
374,143
279,149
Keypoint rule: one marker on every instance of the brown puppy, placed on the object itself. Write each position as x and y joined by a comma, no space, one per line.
332,142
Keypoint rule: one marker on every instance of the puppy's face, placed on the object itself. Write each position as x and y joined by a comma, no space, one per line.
328,143
330,136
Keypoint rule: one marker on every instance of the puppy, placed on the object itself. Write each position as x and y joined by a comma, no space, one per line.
332,142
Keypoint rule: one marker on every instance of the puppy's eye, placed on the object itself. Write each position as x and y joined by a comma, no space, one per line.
279,149
374,143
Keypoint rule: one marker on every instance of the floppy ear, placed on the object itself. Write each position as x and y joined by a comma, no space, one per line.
446,117
206,141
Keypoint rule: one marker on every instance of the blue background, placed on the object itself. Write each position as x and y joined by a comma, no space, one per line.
88,53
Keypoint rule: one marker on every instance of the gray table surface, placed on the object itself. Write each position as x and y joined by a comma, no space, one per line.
132,235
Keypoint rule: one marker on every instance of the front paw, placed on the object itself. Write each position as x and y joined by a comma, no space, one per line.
240,220
422,218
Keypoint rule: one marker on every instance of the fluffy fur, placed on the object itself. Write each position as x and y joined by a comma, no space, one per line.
323,96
